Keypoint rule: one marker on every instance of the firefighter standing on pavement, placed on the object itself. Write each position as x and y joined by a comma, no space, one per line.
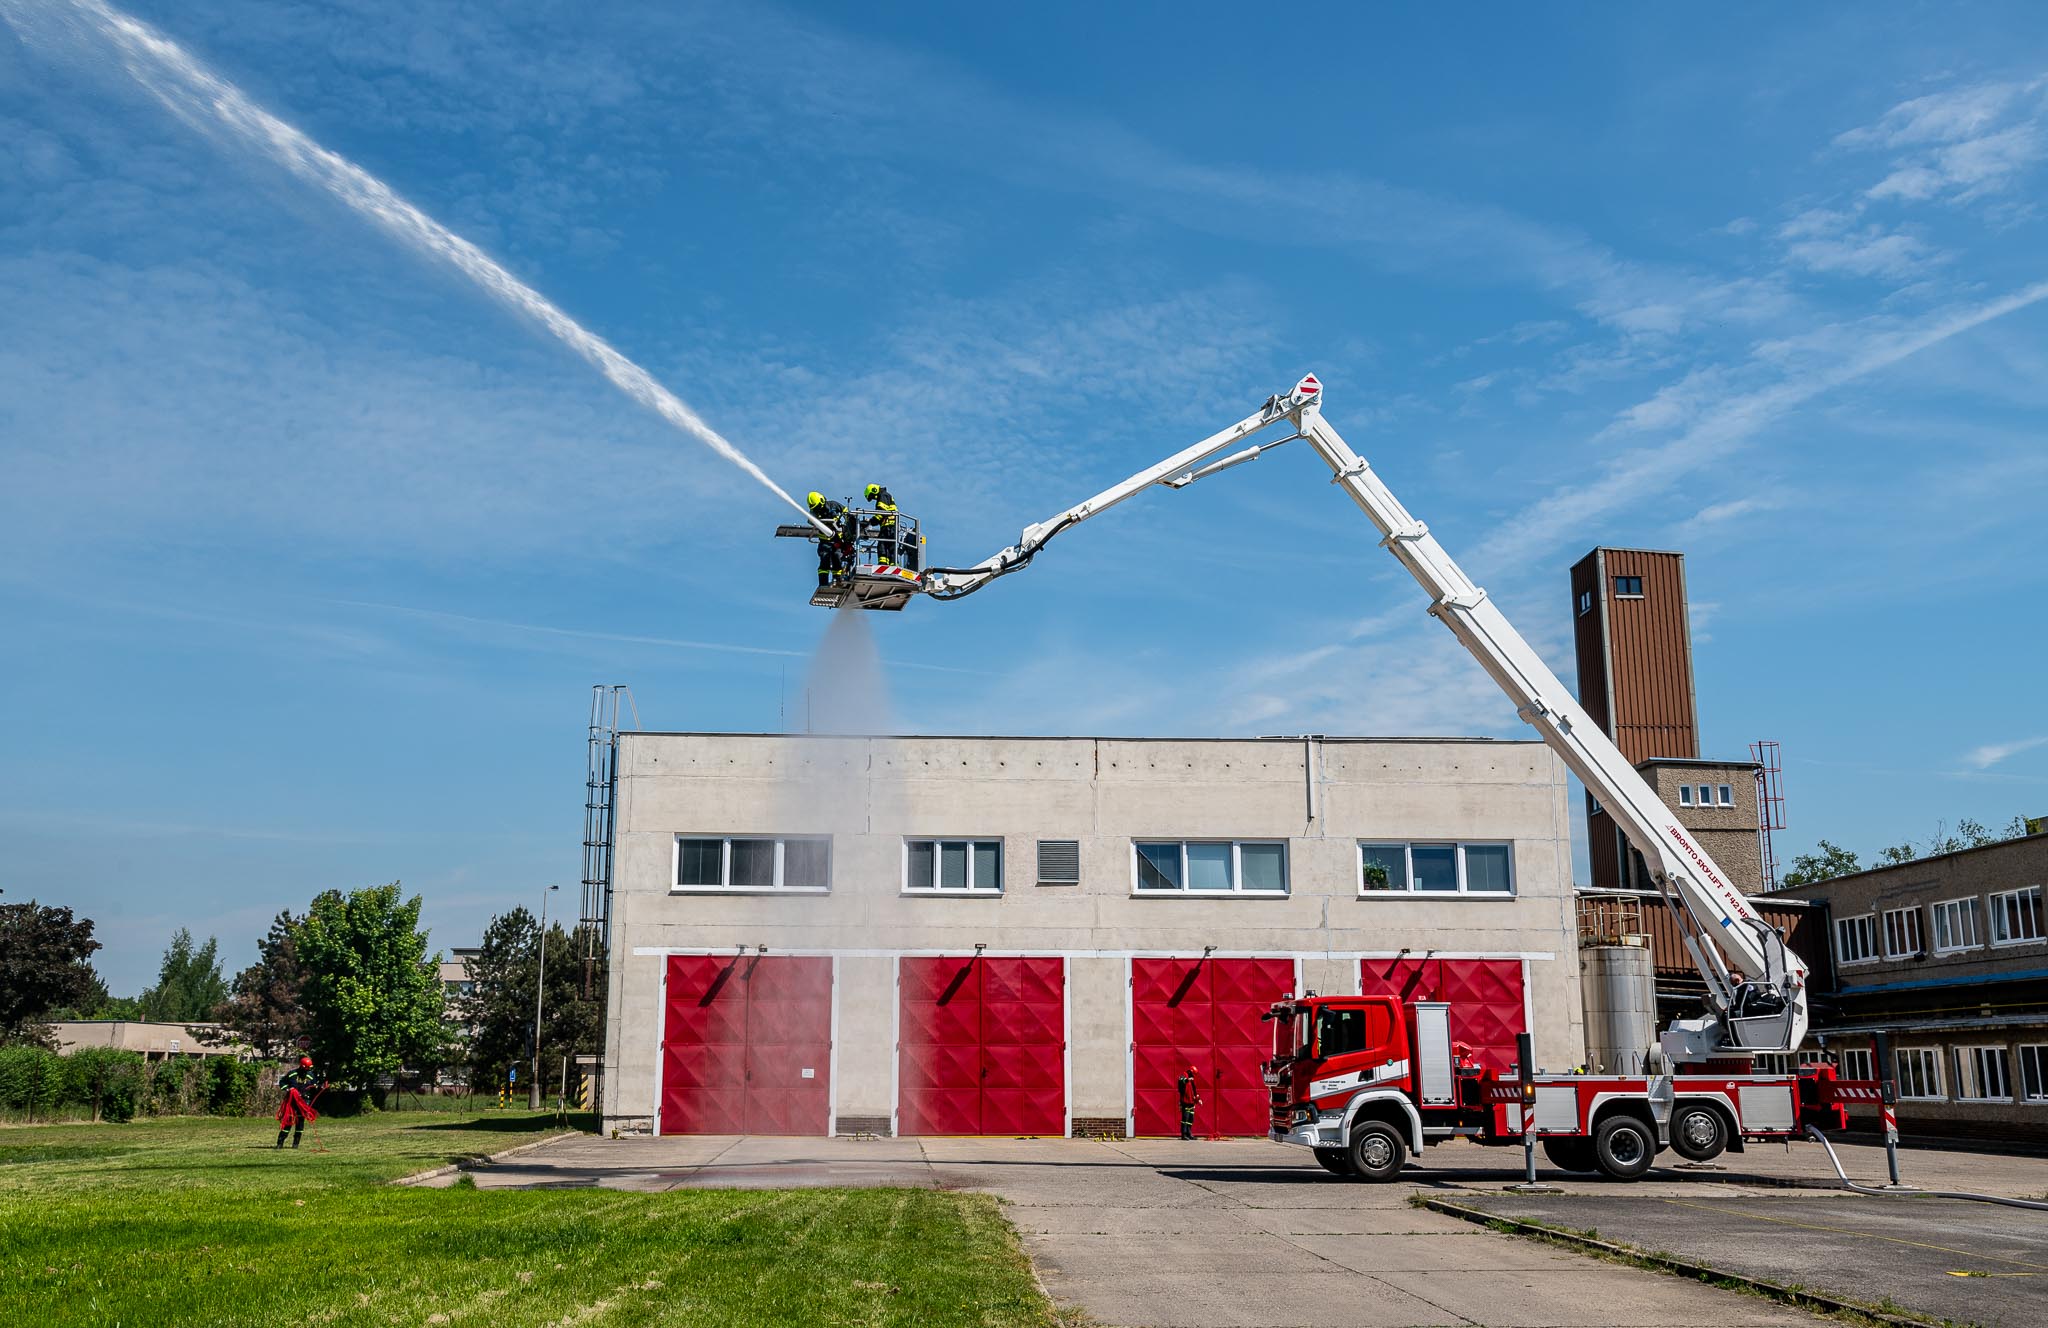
835,555
299,1087
1190,1098
884,504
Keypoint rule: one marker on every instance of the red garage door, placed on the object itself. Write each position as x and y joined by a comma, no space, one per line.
1203,1013
981,1046
1485,997
748,1045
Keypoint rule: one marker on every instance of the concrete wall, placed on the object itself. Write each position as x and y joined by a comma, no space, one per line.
1322,797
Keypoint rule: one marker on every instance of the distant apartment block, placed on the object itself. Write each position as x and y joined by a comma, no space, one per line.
1948,957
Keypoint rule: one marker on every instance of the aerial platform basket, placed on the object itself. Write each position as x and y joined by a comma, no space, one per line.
870,586
884,573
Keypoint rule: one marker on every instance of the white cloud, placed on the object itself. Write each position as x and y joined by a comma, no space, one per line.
1983,758
1825,240
1965,142
1727,422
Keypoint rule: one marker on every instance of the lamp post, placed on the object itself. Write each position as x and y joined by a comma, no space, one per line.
539,990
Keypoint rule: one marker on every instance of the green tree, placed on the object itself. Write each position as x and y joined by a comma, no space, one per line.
499,1008
1826,862
371,992
43,954
1897,854
189,986
265,1009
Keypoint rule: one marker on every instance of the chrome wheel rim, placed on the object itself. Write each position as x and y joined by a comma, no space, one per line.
1376,1152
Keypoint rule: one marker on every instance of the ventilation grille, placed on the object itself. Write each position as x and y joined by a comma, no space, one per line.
1059,862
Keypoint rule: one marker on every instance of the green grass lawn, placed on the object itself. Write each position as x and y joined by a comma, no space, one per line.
199,1222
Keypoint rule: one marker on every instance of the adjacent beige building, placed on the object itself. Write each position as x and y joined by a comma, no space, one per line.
1023,935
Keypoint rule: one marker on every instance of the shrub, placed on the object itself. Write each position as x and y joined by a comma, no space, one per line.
230,1085
108,1082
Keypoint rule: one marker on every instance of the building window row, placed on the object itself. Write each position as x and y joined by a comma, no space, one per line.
1980,1073
1235,866
953,866
1970,1073
754,864
1957,925
1706,795
1442,869
803,864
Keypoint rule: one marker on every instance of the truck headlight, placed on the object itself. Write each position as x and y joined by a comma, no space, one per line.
1301,1115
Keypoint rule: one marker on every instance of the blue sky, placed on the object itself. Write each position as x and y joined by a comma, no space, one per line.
309,553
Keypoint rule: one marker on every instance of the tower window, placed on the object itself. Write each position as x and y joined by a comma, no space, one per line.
1628,587
1585,602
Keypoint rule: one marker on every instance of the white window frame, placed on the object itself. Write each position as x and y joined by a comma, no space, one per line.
970,890
1998,917
2036,1054
1968,908
1869,931
1724,795
1856,1063
1910,921
1685,795
1929,1060
1585,602
1237,888
1408,847
781,842
1972,1063
1706,795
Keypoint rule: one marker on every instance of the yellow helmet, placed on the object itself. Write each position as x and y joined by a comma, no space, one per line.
814,498
872,491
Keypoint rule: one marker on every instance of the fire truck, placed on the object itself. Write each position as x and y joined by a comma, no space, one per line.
1366,1081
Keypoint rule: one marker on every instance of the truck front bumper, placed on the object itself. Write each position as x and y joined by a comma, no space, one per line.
1325,1130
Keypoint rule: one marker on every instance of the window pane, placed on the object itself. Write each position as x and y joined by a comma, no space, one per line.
988,865
1159,866
952,866
1208,866
1706,796
1340,1032
1727,792
1685,795
806,864
753,863
1436,866
701,862
919,874
1265,866
1390,858
1486,868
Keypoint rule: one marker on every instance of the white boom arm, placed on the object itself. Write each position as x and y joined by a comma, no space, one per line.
1763,1010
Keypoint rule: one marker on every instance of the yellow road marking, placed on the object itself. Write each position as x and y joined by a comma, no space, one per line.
1971,1272
1846,1231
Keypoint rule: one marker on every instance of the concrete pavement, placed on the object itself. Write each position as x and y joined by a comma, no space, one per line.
1243,1233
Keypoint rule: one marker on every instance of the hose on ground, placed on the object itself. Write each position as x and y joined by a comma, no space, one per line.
1930,1194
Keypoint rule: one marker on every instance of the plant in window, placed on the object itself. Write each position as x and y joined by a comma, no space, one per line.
1375,876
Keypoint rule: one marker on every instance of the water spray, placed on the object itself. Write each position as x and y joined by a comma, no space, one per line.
210,103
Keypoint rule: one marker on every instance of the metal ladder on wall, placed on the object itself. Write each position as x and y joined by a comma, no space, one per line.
600,824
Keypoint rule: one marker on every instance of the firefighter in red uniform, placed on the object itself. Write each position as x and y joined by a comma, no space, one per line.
1190,1098
300,1087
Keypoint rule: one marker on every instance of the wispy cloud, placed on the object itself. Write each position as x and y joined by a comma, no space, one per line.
1990,754
1727,421
1960,144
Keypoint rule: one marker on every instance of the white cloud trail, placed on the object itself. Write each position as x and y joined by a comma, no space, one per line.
170,74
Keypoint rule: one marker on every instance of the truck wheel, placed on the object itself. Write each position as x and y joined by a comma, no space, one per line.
1336,1161
1569,1154
1375,1152
1698,1133
1623,1147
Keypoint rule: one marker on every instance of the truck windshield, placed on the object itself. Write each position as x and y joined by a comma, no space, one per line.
1339,1032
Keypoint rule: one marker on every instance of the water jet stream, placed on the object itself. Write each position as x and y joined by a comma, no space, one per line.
207,101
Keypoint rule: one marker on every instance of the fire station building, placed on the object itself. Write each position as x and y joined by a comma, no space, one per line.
1038,936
